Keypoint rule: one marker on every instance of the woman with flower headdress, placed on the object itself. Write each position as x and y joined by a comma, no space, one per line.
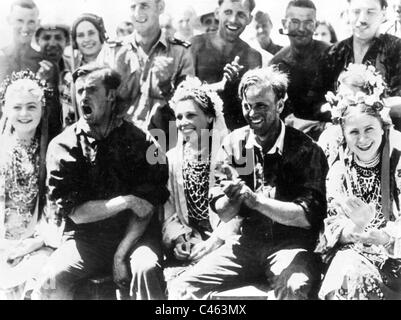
23,141
361,240
190,229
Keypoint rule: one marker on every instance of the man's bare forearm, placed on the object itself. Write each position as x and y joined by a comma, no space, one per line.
135,230
93,211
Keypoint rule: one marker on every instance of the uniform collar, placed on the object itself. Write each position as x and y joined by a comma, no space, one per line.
277,147
161,40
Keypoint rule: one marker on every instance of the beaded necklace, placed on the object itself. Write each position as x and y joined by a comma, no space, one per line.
196,184
22,172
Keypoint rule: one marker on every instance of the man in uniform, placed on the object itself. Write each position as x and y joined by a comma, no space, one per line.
23,19
151,67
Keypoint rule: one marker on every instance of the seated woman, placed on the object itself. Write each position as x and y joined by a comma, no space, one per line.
351,81
362,233
190,229
23,143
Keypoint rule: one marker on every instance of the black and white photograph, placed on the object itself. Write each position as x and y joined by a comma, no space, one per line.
224,151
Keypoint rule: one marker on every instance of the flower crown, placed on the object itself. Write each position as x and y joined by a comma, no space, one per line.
371,91
20,75
192,86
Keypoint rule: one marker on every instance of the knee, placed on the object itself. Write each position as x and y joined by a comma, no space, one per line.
177,289
52,285
300,281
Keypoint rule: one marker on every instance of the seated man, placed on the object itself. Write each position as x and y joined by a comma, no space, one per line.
103,184
274,177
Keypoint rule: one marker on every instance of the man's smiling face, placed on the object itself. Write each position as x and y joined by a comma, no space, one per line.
233,16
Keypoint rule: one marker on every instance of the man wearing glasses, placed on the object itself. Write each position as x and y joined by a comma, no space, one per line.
299,61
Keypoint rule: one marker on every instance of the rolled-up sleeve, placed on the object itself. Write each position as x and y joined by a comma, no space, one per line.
311,186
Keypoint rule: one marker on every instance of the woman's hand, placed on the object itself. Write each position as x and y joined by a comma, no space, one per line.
25,247
359,212
182,249
350,233
374,236
203,248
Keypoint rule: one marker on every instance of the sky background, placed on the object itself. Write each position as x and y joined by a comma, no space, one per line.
114,11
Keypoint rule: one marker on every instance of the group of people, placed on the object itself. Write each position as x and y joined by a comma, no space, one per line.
180,167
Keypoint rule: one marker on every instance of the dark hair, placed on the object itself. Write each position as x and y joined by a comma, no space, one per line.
193,89
251,3
111,79
260,15
333,35
383,3
27,4
95,20
301,4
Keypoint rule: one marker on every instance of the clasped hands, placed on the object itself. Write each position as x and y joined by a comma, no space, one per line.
360,215
190,250
238,192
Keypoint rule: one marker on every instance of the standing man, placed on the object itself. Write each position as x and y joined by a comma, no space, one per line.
274,177
215,55
367,46
299,61
103,185
19,55
151,66
52,37
263,27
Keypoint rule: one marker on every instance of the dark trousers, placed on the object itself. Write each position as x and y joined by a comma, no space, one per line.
292,271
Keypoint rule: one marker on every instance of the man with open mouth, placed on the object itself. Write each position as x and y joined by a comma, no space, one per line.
105,185
215,55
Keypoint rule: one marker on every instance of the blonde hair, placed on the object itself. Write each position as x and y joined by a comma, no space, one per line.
23,85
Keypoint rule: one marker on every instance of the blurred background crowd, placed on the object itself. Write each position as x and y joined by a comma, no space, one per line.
115,15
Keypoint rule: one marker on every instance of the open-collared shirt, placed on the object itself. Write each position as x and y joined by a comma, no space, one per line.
81,169
293,170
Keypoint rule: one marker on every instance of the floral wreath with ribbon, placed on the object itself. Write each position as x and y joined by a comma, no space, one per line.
192,86
20,75
371,92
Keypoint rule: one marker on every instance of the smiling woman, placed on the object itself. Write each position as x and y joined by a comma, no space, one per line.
363,229
24,142
88,35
